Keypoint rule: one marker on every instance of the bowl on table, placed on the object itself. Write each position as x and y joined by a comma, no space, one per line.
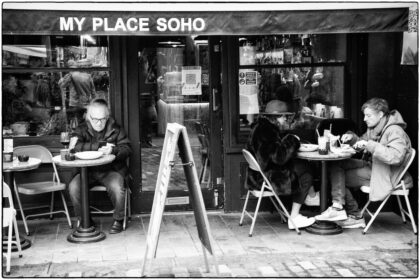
23,158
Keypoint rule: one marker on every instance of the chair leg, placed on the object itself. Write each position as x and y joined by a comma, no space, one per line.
17,236
66,209
125,208
283,218
365,207
244,209
205,168
21,209
254,219
376,214
129,204
9,246
287,214
52,206
401,209
413,223
200,179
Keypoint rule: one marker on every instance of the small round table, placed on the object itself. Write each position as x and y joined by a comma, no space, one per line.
85,233
323,227
9,168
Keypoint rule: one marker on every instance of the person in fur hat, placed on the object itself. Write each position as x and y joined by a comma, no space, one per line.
386,147
276,156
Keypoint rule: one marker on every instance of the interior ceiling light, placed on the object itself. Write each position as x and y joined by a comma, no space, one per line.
170,43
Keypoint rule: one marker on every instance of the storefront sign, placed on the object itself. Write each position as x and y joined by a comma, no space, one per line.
45,22
131,24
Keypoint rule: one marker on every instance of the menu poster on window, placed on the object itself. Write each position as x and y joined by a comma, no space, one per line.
191,80
248,92
8,145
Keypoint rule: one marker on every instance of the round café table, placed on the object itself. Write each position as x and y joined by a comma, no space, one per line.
86,232
323,227
9,169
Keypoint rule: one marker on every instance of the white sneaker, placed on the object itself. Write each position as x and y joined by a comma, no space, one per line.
312,200
300,222
332,214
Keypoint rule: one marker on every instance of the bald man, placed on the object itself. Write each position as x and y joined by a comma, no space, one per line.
100,128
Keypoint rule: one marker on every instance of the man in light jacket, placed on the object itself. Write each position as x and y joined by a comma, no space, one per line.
386,151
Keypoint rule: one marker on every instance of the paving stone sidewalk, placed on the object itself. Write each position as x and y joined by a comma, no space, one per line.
372,264
390,249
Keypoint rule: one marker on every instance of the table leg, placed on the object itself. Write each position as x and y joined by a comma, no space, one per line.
324,227
9,178
85,233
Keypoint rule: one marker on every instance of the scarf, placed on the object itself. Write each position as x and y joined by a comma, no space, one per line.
376,132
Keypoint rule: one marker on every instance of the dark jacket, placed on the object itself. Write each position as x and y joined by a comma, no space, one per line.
88,140
274,155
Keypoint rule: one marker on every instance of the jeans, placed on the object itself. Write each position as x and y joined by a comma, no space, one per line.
304,172
345,174
114,183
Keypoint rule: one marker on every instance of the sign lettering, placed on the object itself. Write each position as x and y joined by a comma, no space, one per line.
132,24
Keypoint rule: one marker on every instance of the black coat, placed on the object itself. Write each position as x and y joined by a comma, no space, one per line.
88,140
274,153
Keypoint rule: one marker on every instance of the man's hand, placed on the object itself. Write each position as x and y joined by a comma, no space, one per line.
106,150
346,137
360,145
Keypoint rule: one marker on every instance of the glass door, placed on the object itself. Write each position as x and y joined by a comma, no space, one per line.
174,88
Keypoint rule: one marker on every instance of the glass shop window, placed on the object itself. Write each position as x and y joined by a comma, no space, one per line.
304,72
49,80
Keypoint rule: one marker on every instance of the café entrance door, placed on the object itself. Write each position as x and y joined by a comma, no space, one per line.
175,86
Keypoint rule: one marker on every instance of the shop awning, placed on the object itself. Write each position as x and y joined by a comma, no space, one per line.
41,22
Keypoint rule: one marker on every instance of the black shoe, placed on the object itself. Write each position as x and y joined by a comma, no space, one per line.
116,227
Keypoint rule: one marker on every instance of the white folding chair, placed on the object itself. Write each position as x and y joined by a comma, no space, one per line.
399,190
127,203
9,220
41,187
266,191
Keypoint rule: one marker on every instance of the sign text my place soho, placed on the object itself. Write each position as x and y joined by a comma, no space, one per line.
132,24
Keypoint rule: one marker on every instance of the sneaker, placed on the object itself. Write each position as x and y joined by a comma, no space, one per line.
300,221
352,222
312,200
332,214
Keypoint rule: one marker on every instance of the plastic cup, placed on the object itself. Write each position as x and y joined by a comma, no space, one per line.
7,156
63,153
322,145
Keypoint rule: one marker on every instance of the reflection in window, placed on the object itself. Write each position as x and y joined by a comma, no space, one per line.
36,100
311,93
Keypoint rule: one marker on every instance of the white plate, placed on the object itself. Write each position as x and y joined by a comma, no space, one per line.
308,147
89,155
347,150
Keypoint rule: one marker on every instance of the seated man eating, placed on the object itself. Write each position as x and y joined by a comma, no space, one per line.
100,127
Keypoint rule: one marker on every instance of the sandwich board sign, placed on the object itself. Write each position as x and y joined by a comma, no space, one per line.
176,135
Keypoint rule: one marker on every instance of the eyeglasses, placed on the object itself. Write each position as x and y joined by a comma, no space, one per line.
96,121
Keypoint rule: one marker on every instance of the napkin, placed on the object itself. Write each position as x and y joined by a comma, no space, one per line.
73,142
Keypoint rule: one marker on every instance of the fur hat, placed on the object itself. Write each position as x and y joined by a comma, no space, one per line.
276,108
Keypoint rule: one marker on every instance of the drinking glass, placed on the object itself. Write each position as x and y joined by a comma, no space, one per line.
65,139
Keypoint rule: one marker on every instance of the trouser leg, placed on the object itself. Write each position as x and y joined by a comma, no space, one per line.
339,176
354,179
74,191
114,183
304,172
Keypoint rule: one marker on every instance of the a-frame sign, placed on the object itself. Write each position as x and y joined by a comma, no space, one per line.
176,134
